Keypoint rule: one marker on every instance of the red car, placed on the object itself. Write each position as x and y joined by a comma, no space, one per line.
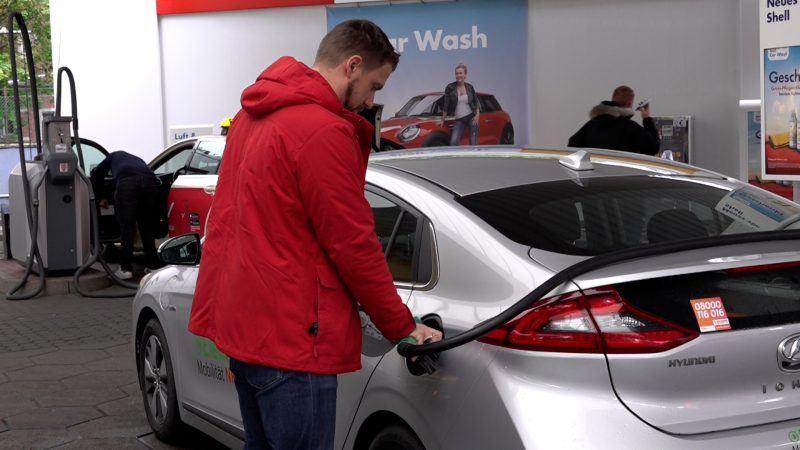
417,124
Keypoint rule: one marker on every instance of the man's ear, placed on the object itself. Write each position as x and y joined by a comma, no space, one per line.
352,64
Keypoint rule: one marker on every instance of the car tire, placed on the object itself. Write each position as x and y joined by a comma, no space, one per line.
507,136
157,380
395,437
436,140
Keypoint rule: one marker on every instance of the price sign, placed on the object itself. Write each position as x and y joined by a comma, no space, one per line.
711,314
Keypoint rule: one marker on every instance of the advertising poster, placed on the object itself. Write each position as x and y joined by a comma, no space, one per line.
432,38
780,187
780,83
781,103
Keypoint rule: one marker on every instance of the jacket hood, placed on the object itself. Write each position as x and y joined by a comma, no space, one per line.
612,109
288,82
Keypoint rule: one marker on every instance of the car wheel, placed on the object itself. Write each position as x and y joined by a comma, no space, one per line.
436,140
507,136
157,380
396,437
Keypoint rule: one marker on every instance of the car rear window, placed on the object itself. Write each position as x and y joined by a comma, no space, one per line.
593,216
751,298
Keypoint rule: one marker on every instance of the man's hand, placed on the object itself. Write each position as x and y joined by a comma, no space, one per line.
103,203
645,110
425,334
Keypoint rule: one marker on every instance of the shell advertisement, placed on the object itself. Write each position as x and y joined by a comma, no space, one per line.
782,110
780,102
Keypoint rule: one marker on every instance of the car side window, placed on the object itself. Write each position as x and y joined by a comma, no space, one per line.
93,154
207,156
385,214
396,229
174,163
437,106
488,103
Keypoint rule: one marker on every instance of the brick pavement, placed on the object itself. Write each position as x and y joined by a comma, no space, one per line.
68,377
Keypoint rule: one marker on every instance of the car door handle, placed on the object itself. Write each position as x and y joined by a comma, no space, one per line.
172,308
210,189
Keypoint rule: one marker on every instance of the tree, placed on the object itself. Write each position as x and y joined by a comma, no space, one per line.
36,14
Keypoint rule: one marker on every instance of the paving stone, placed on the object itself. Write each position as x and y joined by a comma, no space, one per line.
27,389
46,372
112,427
130,405
26,353
131,389
7,364
118,362
71,357
102,379
13,406
79,397
61,417
34,439
192,441
129,443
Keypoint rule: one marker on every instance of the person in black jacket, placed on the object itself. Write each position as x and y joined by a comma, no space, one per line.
461,102
135,197
611,126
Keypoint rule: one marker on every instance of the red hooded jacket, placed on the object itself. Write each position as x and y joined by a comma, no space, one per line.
291,245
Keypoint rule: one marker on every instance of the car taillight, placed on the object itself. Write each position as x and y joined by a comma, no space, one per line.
594,322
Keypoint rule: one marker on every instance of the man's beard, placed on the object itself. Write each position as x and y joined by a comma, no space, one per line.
348,93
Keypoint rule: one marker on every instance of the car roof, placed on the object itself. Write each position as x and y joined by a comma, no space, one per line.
465,171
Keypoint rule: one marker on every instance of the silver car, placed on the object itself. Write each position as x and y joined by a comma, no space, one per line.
684,334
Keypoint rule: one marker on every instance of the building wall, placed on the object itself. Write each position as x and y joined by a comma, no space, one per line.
695,58
682,53
112,50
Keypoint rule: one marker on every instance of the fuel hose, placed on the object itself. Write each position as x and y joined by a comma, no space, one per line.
407,349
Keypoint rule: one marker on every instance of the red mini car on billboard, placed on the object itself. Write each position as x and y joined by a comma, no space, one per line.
417,124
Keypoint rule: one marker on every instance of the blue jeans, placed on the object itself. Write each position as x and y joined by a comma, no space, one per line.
458,130
283,409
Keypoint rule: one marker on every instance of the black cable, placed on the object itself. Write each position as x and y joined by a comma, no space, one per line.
587,265
34,253
94,222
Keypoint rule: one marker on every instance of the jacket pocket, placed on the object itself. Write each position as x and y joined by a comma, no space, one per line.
335,337
328,278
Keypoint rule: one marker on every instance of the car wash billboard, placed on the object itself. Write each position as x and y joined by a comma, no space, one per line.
780,81
490,38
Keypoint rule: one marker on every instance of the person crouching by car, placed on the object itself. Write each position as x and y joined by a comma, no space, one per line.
461,102
135,198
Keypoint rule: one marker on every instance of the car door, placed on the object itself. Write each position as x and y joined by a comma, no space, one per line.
490,126
165,166
189,199
398,230
204,376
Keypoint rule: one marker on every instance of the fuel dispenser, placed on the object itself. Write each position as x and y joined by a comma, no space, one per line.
60,200
53,217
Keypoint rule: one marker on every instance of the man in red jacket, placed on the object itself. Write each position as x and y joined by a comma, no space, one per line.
291,248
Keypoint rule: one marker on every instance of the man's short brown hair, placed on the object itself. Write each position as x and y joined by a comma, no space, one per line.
356,37
623,95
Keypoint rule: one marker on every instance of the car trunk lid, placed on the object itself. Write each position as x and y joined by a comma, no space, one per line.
744,367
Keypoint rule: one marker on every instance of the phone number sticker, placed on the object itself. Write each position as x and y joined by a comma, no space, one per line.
711,314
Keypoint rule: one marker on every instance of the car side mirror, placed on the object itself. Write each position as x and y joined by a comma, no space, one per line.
373,116
183,250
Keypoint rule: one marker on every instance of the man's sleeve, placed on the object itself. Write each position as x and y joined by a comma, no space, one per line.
649,141
100,171
331,182
578,139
